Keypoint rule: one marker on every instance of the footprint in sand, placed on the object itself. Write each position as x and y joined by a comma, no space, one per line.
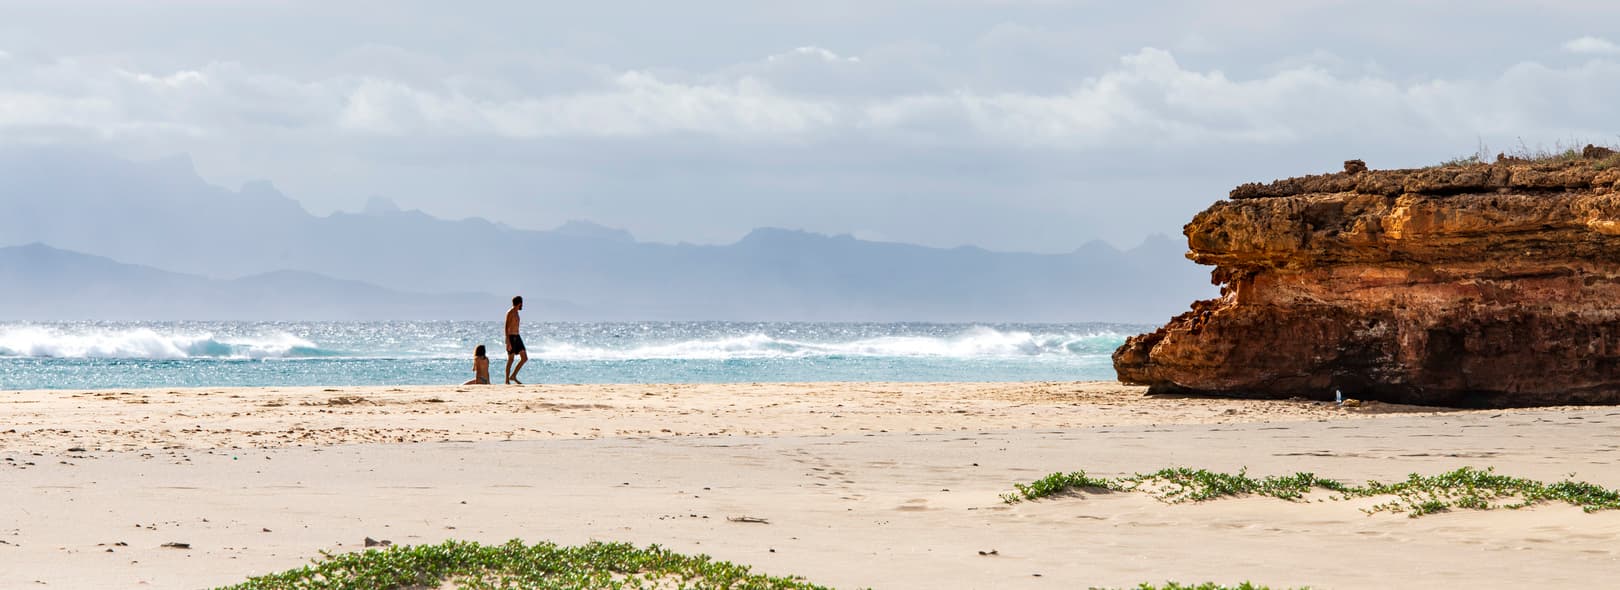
914,505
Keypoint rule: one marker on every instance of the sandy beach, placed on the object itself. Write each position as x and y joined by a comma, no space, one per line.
861,484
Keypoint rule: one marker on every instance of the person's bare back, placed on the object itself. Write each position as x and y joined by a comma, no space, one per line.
514,341
480,367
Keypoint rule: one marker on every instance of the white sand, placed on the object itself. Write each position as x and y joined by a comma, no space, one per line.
880,485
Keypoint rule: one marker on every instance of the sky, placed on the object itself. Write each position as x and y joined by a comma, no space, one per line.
1027,125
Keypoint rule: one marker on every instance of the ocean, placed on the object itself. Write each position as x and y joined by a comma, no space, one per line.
103,355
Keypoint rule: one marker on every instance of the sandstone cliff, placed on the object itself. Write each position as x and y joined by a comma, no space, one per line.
1477,285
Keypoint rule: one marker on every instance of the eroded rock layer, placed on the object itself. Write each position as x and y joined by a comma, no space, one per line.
1470,285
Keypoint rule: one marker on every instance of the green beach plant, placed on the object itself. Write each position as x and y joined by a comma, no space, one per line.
1417,495
515,565
1057,483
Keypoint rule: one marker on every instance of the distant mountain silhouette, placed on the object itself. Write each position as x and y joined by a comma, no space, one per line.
161,214
44,283
589,230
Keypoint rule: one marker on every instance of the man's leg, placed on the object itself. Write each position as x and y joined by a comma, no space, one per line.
522,360
509,356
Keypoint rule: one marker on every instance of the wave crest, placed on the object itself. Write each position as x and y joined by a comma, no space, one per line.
973,343
145,343
178,343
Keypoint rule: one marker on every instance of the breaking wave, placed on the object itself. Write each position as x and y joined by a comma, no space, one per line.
366,342
973,343
146,343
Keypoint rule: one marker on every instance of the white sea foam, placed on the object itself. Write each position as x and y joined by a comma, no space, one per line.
366,342
974,343
146,343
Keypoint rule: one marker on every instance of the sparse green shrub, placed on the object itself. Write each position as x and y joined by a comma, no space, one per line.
1056,483
1468,160
515,565
1417,495
1560,151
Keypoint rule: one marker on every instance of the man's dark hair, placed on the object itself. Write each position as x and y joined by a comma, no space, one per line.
517,300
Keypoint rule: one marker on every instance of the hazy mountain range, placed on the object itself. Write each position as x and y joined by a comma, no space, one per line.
46,283
172,246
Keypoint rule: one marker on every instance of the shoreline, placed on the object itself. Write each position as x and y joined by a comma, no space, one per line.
863,484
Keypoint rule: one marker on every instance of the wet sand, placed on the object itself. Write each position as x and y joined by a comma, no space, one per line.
862,484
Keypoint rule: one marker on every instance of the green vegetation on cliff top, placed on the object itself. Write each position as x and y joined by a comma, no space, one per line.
1560,152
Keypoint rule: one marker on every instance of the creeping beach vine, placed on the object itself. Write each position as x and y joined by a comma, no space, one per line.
1417,495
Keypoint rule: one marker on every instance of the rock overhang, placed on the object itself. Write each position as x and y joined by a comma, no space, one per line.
1476,284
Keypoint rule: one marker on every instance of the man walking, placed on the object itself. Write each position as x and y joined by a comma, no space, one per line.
514,342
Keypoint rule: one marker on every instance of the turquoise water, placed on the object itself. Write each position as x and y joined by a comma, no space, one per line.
102,355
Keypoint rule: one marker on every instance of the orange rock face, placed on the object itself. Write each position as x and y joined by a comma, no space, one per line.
1473,285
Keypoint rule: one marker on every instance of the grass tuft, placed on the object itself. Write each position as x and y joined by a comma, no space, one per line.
514,565
1468,160
1417,495
1560,152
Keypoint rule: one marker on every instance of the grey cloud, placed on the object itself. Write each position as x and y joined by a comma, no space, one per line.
1027,125
1148,98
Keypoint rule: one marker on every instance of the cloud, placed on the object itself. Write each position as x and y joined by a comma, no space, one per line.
802,134
636,104
1150,99
1590,44
1147,99
813,52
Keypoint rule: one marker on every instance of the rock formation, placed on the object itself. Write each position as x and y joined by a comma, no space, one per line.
1467,285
